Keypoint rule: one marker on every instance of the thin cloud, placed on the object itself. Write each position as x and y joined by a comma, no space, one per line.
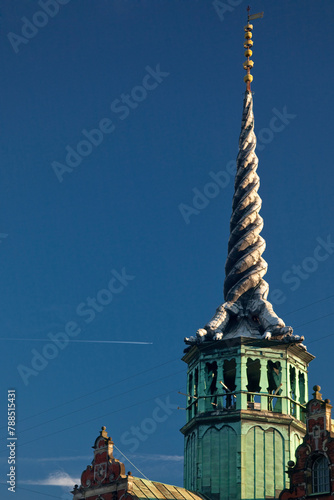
58,478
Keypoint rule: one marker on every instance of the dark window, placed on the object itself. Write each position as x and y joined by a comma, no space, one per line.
211,385
253,377
190,388
320,475
196,390
293,390
301,379
229,374
274,385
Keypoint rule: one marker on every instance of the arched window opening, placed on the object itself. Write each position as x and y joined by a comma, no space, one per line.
293,390
274,385
196,391
253,377
229,374
190,393
320,476
211,385
301,379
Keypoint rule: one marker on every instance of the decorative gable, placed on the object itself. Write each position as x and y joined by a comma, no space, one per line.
313,472
105,469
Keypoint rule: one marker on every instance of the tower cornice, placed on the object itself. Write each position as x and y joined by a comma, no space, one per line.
220,418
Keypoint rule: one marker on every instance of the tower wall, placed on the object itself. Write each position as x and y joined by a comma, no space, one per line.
209,449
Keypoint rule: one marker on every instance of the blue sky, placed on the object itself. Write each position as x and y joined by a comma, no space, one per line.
116,217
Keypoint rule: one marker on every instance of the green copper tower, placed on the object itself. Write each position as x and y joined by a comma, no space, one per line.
247,372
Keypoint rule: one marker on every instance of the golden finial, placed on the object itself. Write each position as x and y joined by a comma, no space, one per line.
248,64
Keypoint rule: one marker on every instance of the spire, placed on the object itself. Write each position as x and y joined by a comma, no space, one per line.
245,266
246,312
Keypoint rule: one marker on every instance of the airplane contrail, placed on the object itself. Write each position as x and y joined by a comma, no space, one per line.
86,341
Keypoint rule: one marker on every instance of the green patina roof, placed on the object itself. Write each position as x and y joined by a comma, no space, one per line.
142,488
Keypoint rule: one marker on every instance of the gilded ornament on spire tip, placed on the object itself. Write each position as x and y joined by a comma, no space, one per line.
248,78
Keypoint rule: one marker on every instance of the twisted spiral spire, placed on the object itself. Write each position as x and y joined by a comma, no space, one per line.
246,311
245,266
